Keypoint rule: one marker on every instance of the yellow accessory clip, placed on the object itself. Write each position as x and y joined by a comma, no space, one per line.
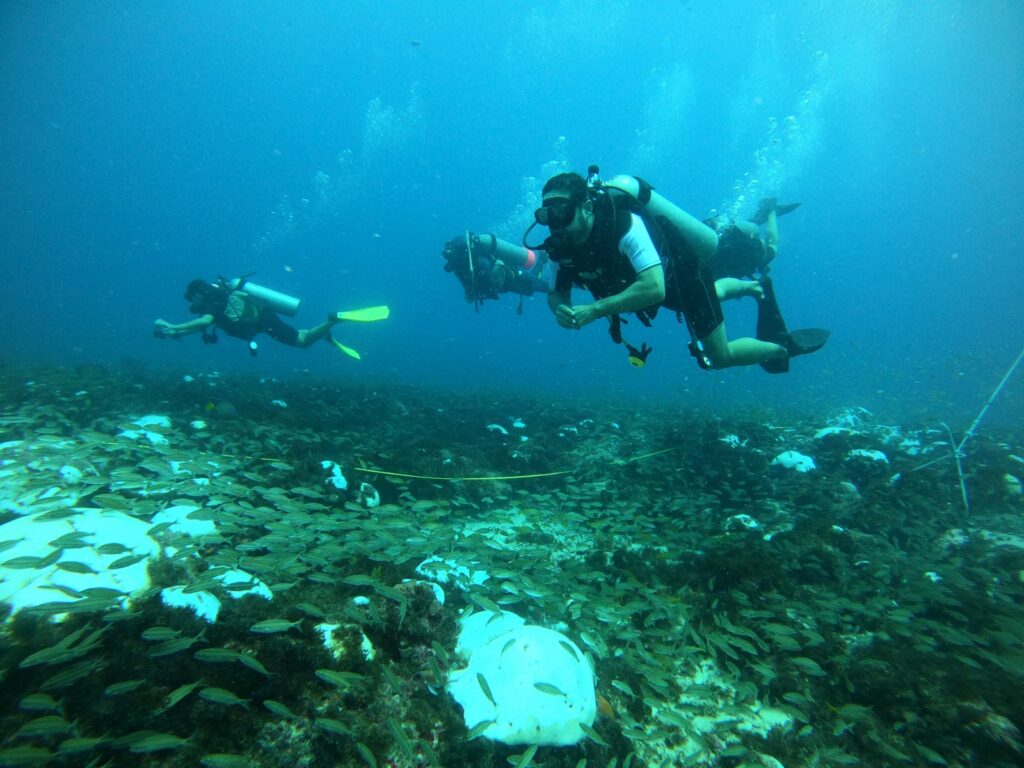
638,357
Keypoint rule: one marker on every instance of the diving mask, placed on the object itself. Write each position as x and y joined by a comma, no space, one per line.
555,213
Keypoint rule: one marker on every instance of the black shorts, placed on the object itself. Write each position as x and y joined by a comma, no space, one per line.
690,289
277,329
268,323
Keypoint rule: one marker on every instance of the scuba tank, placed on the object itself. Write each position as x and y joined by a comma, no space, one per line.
700,237
515,256
276,301
487,266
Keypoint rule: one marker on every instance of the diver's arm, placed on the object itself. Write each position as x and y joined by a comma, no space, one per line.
560,305
177,330
556,299
646,291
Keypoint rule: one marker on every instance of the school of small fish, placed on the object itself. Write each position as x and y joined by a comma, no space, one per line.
805,633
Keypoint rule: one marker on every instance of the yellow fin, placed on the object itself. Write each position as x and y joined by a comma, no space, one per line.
347,350
367,315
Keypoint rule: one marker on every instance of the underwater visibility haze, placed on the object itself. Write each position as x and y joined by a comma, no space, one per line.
462,535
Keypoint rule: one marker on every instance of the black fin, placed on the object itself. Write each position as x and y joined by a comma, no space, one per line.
806,340
770,204
797,343
778,365
765,207
771,327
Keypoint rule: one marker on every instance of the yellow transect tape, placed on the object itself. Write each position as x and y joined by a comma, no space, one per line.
483,478
618,462
646,455
459,479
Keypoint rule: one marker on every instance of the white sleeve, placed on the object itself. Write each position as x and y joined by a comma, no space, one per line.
637,246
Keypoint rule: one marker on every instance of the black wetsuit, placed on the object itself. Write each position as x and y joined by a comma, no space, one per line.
268,323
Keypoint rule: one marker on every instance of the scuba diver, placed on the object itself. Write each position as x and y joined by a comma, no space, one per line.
487,277
636,252
488,266
741,251
244,310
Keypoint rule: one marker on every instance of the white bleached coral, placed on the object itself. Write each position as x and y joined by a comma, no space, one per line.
533,682
794,460
78,569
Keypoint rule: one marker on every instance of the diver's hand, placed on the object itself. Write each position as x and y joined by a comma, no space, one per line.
584,314
162,330
564,316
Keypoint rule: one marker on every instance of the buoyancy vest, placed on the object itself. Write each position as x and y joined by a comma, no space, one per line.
241,315
597,264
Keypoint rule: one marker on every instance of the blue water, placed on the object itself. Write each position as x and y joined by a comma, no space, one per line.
331,149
